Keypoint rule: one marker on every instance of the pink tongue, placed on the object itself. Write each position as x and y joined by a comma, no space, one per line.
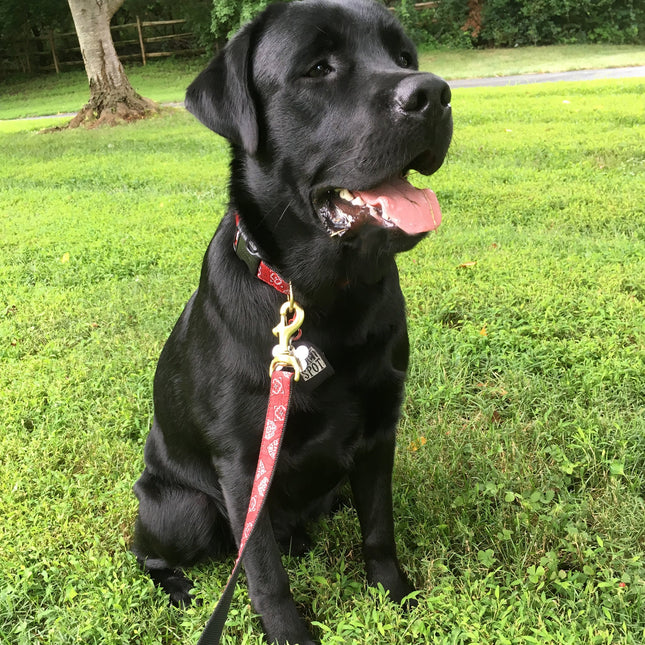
413,210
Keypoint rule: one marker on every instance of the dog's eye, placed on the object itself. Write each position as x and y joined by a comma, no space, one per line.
404,60
320,69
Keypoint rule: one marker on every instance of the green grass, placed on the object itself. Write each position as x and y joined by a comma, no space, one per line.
165,81
520,473
458,63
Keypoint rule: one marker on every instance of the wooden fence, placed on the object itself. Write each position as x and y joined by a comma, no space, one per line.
140,40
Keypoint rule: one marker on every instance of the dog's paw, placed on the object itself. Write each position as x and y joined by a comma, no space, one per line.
410,601
389,576
176,585
283,625
178,589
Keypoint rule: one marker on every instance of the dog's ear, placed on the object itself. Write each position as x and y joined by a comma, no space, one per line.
220,98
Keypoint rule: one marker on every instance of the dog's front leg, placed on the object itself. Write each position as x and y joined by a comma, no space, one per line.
371,482
267,579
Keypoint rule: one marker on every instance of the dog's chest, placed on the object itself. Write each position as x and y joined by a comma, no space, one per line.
319,450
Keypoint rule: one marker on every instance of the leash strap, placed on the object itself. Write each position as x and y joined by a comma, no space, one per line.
274,423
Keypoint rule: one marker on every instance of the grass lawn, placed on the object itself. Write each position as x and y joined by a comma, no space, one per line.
520,473
165,81
459,63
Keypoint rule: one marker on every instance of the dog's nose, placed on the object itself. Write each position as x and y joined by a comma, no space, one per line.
420,92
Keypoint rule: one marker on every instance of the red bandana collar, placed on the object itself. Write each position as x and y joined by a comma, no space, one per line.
247,251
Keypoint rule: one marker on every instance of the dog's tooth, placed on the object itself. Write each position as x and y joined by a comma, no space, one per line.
357,201
376,212
346,195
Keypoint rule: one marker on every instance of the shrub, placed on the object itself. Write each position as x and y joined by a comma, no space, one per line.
545,22
442,25
506,23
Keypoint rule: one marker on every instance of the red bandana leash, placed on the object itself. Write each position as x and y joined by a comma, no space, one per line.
285,368
271,441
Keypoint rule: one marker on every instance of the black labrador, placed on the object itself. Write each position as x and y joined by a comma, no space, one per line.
326,113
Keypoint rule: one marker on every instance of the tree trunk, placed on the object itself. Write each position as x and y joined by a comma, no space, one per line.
112,97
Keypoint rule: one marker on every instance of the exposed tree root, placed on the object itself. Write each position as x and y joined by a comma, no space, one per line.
113,113
110,113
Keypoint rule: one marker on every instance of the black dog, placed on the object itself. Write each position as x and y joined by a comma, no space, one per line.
313,97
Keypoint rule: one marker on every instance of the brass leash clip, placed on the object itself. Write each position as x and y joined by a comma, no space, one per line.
292,316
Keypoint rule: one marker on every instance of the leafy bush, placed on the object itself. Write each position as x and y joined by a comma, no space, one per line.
228,16
543,22
441,25
504,23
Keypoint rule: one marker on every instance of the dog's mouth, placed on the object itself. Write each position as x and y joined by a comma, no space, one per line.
393,204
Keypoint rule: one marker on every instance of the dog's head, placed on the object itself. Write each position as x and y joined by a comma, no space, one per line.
327,113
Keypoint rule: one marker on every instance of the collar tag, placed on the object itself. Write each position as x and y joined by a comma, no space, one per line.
317,368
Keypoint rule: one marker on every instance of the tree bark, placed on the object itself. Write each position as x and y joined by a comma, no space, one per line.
112,97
